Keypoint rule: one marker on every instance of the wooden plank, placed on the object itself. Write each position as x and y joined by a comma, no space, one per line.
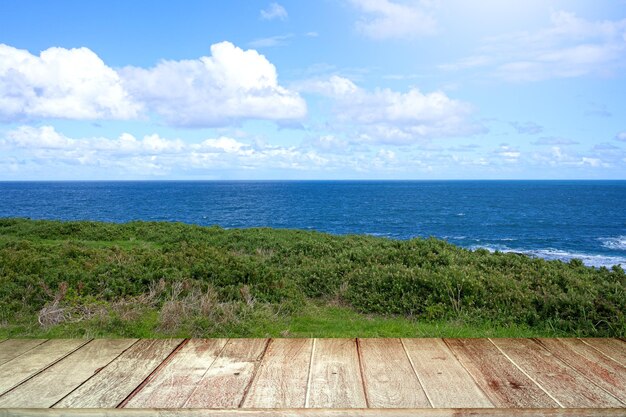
175,382
109,387
565,385
313,412
438,370
13,348
504,384
23,367
594,365
225,382
335,380
281,381
54,383
388,377
613,348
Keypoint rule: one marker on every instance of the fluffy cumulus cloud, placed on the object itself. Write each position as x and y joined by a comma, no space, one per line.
570,47
61,83
392,117
384,19
230,85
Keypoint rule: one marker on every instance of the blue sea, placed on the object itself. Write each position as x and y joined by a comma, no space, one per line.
549,219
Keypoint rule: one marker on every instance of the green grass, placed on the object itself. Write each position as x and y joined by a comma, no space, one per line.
314,321
89,279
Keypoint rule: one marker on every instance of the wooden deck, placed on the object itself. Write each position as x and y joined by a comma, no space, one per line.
313,377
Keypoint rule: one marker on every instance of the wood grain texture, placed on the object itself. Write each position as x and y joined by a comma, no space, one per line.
13,348
335,380
172,386
438,370
46,388
613,348
565,385
225,382
504,384
312,412
109,387
594,365
388,376
281,380
25,366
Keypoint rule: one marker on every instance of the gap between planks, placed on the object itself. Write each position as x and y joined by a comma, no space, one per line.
307,395
419,380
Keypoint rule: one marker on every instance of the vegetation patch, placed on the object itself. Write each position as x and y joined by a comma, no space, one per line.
147,279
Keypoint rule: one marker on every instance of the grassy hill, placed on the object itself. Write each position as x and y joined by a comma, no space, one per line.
171,279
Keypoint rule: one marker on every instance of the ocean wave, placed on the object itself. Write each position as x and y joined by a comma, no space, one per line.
552,254
615,243
454,237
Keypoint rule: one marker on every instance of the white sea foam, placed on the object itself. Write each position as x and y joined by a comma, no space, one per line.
615,243
561,255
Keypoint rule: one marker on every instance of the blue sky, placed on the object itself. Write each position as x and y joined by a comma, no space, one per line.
344,89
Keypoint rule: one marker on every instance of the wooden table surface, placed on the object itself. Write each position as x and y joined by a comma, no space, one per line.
313,377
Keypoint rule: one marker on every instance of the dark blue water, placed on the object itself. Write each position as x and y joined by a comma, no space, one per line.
550,219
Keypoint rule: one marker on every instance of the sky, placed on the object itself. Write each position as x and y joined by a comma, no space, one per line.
341,89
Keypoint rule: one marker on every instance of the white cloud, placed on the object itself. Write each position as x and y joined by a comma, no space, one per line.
392,117
570,47
46,138
155,154
61,83
278,40
218,90
221,89
558,157
508,153
385,19
274,11
621,136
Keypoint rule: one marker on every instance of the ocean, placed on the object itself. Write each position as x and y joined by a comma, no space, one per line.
549,219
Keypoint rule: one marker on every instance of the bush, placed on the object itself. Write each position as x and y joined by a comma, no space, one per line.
281,270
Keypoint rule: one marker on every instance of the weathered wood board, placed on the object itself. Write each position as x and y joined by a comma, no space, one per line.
314,377
613,348
109,387
172,386
13,348
51,385
35,360
566,386
281,380
504,384
594,365
388,377
335,380
439,370
226,381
